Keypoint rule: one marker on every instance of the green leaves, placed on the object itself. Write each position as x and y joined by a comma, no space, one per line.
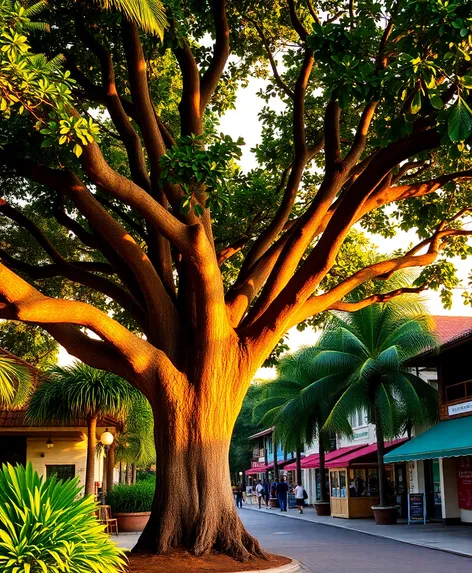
45,527
15,382
150,15
132,498
459,125
197,168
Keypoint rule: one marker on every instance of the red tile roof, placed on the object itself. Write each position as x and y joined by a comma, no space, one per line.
449,328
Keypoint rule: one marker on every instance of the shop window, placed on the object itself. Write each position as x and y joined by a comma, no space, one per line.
338,484
357,483
358,418
61,471
372,482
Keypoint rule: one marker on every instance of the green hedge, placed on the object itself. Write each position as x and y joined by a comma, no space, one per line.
132,498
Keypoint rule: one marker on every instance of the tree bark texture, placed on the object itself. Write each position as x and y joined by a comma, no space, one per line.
196,341
383,484
91,454
133,473
322,469
194,503
299,464
110,481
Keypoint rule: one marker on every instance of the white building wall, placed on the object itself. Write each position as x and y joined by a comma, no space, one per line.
66,451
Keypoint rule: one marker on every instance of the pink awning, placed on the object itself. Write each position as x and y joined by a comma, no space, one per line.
357,455
313,460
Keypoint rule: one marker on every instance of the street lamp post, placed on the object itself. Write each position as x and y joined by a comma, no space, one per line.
107,439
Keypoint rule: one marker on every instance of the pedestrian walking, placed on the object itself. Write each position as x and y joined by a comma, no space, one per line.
266,485
259,493
299,496
239,496
282,493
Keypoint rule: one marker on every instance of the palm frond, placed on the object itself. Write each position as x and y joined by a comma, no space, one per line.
150,15
15,382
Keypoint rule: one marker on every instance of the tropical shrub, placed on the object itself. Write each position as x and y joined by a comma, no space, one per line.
132,498
45,527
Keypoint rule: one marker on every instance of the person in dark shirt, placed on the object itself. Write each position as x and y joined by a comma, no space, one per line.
239,495
282,493
266,485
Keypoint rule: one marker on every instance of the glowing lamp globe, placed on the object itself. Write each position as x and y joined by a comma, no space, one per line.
107,438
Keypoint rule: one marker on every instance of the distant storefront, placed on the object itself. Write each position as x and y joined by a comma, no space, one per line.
440,458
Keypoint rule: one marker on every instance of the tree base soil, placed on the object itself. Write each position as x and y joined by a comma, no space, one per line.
179,561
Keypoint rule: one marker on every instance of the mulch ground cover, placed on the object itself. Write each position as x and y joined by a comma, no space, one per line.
180,561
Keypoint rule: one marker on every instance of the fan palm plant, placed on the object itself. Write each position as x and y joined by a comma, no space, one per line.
78,392
15,382
284,405
361,359
150,15
135,445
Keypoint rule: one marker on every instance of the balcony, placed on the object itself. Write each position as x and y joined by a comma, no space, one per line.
460,391
258,452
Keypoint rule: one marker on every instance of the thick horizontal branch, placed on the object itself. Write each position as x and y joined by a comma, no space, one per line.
376,298
23,302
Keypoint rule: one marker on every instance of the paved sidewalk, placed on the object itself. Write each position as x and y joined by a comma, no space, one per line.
452,538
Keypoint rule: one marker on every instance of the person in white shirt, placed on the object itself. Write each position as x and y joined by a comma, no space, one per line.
259,493
300,496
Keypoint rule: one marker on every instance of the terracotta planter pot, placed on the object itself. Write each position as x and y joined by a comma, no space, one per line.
385,515
322,507
132,522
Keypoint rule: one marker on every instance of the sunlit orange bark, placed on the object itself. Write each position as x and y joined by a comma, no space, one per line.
198,346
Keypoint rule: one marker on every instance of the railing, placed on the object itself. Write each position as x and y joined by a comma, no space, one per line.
459,391
258,452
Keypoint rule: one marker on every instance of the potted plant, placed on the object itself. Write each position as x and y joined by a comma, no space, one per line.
131,504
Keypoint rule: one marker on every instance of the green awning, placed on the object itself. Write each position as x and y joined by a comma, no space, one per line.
446,440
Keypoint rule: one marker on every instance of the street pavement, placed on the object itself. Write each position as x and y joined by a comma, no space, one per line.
325,549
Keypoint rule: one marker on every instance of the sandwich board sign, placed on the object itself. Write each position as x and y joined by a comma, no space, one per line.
416,508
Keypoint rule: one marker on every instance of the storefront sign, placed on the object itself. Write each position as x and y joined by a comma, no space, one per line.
459,408
416,508
464,482
359,435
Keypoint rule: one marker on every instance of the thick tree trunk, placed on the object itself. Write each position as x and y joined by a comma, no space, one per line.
321,452
111,467
194,505
299,464
383,484
91,453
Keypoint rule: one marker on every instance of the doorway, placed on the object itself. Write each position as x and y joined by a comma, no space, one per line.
432,482
12,450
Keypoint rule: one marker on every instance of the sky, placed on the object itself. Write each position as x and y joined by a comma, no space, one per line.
243,122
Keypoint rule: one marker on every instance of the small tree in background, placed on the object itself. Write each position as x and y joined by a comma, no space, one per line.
135,445
80,392
361,360
287,404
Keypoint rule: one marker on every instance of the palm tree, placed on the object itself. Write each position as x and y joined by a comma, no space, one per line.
150,15
77,392
15,382
361,360
135,445
295,417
